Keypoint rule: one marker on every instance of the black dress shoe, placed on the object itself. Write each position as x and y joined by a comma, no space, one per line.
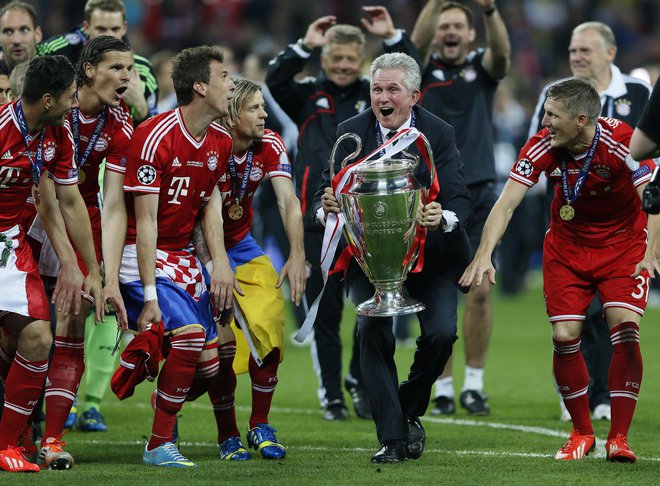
390,452
416,438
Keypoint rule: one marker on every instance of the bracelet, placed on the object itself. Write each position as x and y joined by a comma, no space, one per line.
150,293
490,10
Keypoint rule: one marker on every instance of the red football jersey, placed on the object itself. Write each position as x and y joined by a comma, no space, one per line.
269,159
15,174
165,159
608,209
111,145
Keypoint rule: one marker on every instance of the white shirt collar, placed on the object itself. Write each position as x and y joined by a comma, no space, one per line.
617,87
384,131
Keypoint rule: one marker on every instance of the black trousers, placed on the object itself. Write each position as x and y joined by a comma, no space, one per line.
327,348
390,402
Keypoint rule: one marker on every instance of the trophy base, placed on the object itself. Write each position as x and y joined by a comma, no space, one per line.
388,304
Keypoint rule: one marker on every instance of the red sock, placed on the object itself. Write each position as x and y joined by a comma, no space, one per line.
625,376
264,381
174,381
5,364
22,391
573,382
221,392
205,372
66,369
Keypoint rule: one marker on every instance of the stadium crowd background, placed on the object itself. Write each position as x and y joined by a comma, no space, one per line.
540,32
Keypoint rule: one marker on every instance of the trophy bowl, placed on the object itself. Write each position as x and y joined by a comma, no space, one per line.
380,209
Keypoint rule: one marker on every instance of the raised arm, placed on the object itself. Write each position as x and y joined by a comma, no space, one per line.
497,58
289,207
424,29
289,93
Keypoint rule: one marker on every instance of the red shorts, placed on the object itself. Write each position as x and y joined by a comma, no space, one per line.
573,273
22,290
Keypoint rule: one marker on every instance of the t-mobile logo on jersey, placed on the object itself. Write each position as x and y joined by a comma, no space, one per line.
178,188
8,176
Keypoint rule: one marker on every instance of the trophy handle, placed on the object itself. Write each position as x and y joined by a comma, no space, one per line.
358,148
429,153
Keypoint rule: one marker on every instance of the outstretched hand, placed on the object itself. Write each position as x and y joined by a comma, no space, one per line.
475,271
379,22
315,35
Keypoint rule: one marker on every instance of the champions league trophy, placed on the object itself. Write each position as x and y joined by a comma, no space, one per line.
380,206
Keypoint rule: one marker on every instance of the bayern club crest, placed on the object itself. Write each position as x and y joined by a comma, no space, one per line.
49,152
623,108
469,74
212,161
101,144
256,174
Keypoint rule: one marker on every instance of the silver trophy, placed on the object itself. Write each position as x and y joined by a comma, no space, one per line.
381,209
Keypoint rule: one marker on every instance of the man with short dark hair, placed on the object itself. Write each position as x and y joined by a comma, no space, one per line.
596,243
19,33
458,85
175,161
36,140
101,129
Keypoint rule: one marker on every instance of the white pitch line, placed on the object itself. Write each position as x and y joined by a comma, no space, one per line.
598,453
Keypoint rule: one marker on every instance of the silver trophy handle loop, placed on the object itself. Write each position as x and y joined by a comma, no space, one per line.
353,155
429,153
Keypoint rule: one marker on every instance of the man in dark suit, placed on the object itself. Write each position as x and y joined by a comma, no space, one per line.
395,81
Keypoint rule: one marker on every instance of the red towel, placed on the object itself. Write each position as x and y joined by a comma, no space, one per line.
139,360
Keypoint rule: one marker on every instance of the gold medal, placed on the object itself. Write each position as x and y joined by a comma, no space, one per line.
566,212
81,176
235,211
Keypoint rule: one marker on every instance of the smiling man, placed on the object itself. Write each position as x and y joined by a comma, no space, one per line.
596,244
458,85
591,54
317,105
394,92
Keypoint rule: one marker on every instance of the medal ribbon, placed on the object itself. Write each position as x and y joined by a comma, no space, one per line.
96,133
37,163
239,193
571,196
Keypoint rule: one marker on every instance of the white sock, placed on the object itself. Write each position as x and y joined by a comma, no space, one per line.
444,387
474,379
